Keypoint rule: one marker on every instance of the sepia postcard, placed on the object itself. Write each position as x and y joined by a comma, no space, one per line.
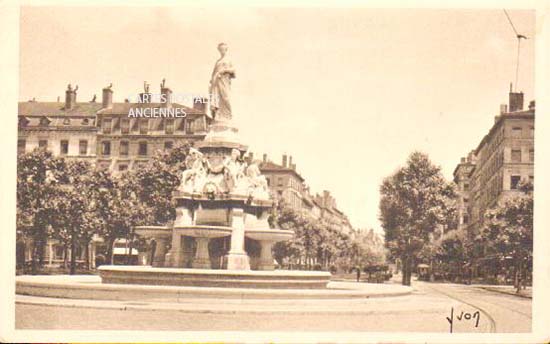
261,172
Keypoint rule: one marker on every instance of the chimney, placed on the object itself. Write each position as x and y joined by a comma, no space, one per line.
199,104
264,158
107,100
285,160
515,100
145,97
293,166
70,97
503,108
462,160
532,105
290,161
166,94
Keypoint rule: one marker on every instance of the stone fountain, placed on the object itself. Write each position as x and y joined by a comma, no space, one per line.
221,235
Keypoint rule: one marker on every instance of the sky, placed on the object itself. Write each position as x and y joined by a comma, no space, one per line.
349,93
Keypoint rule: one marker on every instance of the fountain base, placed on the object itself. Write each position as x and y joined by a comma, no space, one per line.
278,279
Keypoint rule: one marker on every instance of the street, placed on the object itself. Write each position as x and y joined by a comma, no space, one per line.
431,307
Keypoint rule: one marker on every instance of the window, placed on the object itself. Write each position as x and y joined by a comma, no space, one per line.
66,121
85,121
125,126
21,145
83,147
122,167
45,121
169,126
43,143
466,186
124,148
280,181
465,219
143,148
182,124
516,132
514,181
465,201
143,126
168,145
516,155
532,155
532,180
107,125
106,148
268,181
23,122
64,147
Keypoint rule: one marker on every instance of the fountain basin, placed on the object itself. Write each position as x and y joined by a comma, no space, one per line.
203,231
157,232
147,275
273,235
267,238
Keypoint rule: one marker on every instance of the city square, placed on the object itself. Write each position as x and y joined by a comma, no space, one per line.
136,211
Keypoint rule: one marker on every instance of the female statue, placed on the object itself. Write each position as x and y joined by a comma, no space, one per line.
220,86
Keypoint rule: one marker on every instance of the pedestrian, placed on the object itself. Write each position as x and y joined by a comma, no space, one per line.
358,272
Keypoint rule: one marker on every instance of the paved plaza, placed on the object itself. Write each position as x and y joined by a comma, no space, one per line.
425,309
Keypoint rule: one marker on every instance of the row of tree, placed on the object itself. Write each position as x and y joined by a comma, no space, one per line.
418,212
322,244
72,201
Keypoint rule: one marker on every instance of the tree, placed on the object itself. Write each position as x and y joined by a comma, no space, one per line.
508,231
74,223
414,202
156,181
38,175
116,206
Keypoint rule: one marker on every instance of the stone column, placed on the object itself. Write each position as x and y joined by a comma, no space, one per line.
174,258
160,252
237,259
202,256
266,256
184,217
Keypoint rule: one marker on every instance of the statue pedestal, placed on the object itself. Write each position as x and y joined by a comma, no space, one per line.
202,256
237,261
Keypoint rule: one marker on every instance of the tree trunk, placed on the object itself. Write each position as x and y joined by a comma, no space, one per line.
130,247
73,255
34,251
65,255
407,270
87,253
111,243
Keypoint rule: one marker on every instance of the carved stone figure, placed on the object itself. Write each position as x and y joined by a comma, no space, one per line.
234,173
194,177
257,183
220,86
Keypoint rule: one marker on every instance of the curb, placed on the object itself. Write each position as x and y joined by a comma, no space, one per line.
496,290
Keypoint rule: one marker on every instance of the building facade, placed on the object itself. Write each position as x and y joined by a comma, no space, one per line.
284,182
111,136
127,141
502,160
105,134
